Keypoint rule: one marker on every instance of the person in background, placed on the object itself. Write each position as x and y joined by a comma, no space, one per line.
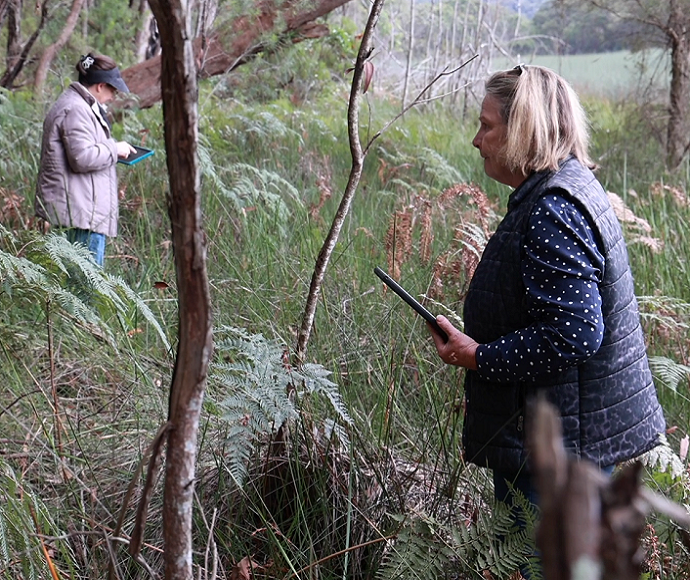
551,307
77,179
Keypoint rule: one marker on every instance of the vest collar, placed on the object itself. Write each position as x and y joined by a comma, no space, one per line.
531,182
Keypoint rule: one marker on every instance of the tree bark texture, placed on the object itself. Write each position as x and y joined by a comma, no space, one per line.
215,55
590,524
678,129
180,94
49,53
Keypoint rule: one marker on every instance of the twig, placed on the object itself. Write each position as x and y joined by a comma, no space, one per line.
53,390
135,542
340,553
358,155
416,101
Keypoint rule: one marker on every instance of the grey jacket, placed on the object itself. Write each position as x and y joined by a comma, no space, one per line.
77,180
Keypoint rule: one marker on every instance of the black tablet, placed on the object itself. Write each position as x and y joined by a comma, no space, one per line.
414,303
141,153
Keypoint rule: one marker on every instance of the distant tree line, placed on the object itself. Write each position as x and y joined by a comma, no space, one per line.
581,28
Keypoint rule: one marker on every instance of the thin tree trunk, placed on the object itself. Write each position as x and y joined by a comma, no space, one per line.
49,53
427,70
437,49
410,50
358,155
180,94
679,106
12,72
14,32
141,40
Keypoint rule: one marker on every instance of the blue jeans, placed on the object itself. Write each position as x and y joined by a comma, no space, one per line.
93,241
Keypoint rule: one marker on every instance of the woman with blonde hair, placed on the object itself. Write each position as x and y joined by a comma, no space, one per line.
551,307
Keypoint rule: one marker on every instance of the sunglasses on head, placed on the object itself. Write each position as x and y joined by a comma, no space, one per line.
519,69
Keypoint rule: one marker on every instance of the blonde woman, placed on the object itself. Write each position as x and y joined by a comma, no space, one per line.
551,307
77,180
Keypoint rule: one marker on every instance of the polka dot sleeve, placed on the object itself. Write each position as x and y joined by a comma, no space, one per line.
561,270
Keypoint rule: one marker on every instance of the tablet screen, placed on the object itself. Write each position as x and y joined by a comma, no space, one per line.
141,153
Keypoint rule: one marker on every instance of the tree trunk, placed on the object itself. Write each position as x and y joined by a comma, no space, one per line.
50,52
410,51
13,70
142,38
14,32
179,94
678,128
247,33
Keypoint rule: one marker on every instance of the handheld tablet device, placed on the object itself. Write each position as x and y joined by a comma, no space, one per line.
407,297
141,153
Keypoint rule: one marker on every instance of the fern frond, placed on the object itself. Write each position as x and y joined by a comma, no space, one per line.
670,312
119,285
258,380
263,124
664,459
427,548
444,172
668,372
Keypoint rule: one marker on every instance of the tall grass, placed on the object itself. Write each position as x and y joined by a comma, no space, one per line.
388,494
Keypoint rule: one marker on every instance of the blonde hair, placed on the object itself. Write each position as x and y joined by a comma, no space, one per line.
546,122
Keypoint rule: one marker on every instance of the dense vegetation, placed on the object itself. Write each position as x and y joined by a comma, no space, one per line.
350,467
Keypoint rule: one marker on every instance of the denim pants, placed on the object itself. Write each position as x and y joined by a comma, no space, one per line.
93,241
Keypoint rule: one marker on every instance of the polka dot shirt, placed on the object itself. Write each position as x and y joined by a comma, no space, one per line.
561,270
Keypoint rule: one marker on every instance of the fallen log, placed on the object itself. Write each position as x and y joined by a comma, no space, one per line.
220,53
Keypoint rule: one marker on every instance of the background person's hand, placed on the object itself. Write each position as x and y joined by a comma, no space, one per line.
459,349
124,149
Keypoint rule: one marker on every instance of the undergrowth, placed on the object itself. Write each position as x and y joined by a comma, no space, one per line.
352,466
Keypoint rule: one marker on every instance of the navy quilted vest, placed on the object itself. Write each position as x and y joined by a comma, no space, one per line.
608,404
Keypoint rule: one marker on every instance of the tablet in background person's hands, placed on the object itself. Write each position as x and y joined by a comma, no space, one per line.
141,153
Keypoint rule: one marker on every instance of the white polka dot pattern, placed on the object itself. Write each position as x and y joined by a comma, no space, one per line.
561,270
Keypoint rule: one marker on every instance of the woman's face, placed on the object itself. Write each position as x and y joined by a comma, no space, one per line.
102,92
490,140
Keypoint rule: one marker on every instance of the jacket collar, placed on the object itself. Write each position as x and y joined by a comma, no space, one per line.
97,109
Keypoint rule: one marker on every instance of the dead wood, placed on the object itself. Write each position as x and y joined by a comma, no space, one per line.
591,525
220,53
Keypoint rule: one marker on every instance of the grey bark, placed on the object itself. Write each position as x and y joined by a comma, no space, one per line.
179,95
358,154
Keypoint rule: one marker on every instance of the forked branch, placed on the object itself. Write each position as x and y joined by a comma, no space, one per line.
358,155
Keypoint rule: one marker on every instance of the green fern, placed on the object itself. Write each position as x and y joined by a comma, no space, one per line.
426,548
51,270
669,373
263,389
444,174
263,125
667,311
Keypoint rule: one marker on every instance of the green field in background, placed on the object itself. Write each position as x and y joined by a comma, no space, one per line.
610,74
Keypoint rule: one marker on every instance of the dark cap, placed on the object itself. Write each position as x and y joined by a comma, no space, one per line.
93,76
